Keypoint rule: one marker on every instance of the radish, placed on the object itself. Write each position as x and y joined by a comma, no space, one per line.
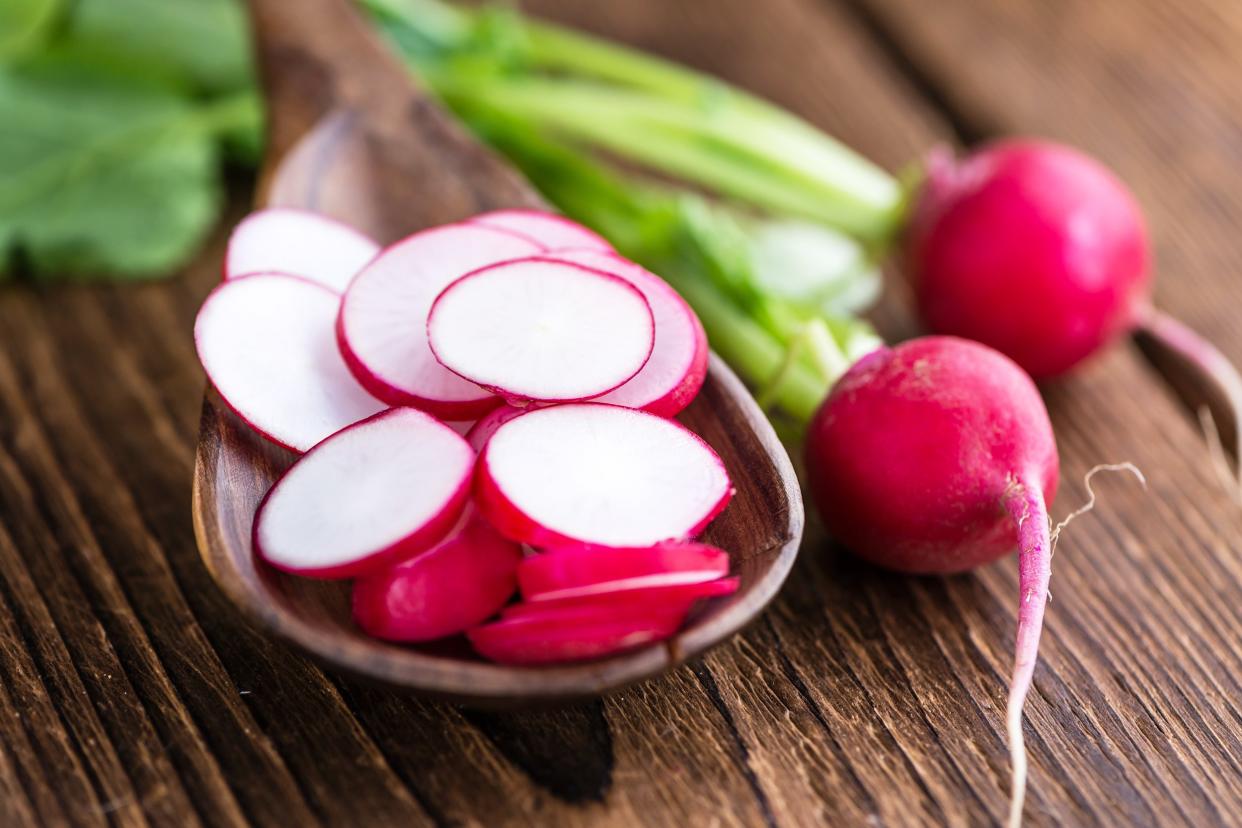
381,328
578,572
550,231
486,426
549,640
299,243
455,585
675,372
538,329
628,598
601,475
267,346
937,456
371,495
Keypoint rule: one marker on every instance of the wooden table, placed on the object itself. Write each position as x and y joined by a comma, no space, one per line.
131,693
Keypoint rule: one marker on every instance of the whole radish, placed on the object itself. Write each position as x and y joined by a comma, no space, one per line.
937,456
1031,247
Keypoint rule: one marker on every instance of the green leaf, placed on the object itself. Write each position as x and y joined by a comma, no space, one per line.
201,43
98,177
25,26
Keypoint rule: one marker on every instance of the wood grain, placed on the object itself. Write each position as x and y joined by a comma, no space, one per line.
861,698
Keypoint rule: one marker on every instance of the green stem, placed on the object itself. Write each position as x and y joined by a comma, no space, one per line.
721,147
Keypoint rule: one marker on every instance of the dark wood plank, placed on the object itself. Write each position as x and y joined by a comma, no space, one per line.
861,698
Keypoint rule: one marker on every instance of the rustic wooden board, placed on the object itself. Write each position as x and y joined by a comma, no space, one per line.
132,693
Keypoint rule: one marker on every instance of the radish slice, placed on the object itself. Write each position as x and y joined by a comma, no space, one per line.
600,475
675,372
459,583
299,243
550,230
538,329
582,571
546,641
482,431
369,496
666,597
266,344
382,326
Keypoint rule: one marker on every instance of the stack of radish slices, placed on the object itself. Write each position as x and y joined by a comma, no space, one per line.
482,409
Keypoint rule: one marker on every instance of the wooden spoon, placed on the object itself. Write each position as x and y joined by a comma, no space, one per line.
351,136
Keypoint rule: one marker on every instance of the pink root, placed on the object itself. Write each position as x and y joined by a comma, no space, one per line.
1024,502
1217,368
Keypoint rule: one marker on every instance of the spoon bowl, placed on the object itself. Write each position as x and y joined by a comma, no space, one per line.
350,136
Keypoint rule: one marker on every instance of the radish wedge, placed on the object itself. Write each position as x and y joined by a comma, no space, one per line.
582,571
382,326
550,230
366,498
673,375
266,344
299,243
600,475
656,599
549,640
459,583
538,329
486,426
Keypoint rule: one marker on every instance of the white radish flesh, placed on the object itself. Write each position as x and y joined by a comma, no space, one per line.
299,243
266,342
600,475
369,497
538,329
675,372
382,326
550,230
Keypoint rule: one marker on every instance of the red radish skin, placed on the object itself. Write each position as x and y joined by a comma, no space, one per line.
598,475
673,598
368,497
584,571
486,426
549,230
935,457
299,243
457,584
542,330
673,375
1032,248
548,641
266,343
381,328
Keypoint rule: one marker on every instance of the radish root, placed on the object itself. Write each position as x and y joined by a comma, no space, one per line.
1037,537
1090,504
1216,367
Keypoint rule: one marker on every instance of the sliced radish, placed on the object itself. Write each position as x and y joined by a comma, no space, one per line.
582,571
267,345
459,583
299,243
486,426
382,326
546,641
600,475
675,372
539,329
550,230
366,498
652,599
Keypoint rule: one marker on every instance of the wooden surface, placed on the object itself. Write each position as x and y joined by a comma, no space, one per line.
132,693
